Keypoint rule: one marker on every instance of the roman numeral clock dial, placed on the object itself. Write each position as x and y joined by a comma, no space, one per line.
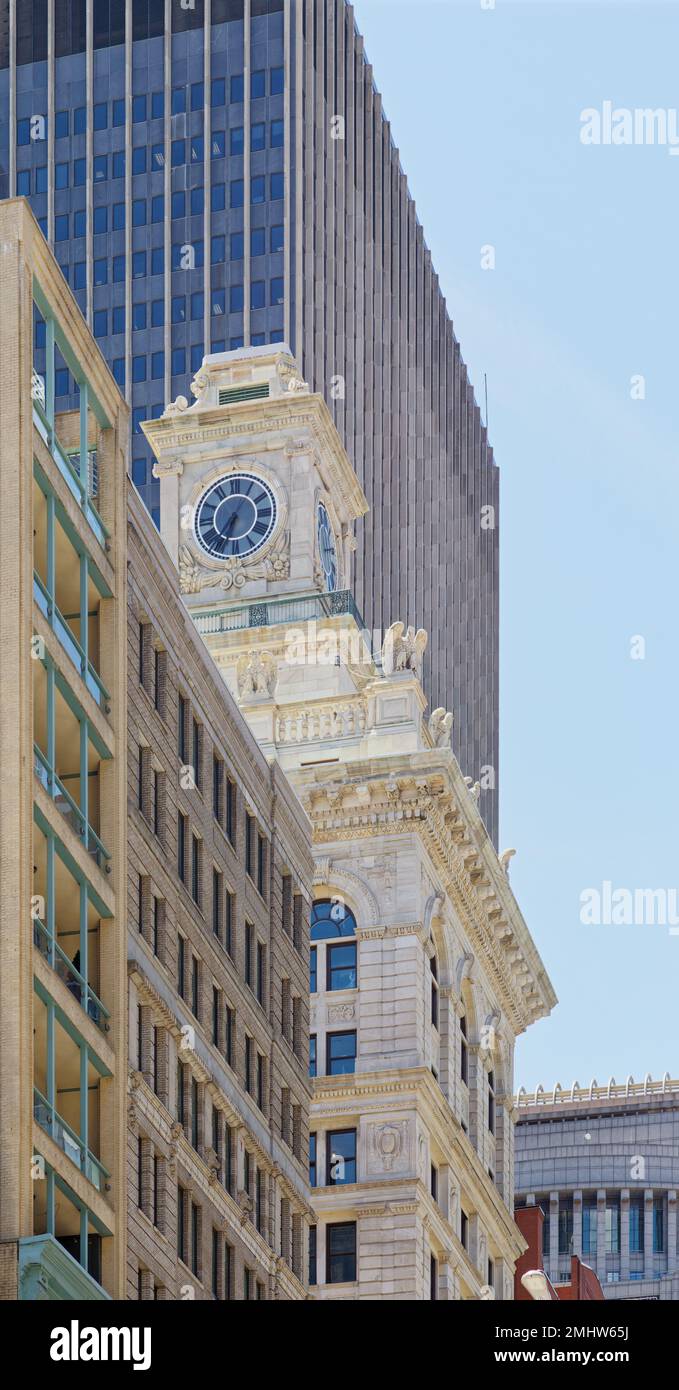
235,516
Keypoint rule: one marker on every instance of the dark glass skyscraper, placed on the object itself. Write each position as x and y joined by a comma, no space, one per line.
219,173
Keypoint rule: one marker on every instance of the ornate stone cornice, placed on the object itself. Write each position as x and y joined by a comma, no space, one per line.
422,794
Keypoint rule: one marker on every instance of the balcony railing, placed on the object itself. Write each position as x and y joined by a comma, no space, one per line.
68,1141
51,951
70,644
315,607
71,476
71,812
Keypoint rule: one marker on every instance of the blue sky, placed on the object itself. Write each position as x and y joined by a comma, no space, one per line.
485,107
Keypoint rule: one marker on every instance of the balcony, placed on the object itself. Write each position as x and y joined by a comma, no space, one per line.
68,1141
64,461
70,810
71,645
312,608
62,966
49,1273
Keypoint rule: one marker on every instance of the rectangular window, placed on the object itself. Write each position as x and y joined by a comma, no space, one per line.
195,1245
181,846
341,1253
491,1102
464,1230
230,1030
181,966
157,914
181,1223
181,725
217,788
195,1113
195,986
658,1226
216,1014
261,865
341,1054
249,951
341,966
613,1227
589,1227
217,900
313,981
230,910
248,1065
312,1255
260,1081
156,1190
195,869
433,1278
249,837
261,970
197,761
216,1242
313,1071
312,1160
464,1054
340,1149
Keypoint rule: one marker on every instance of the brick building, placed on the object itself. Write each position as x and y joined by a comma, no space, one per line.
218,860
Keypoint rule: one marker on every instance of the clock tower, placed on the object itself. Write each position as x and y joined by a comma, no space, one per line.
258,499
422,969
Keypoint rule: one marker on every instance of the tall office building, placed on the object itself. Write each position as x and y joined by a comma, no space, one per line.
603,1163
215,173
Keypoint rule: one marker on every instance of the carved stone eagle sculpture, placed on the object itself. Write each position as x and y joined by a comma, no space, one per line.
403,650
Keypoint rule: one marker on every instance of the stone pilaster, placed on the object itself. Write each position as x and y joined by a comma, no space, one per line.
672,1254
553,1234
577,1223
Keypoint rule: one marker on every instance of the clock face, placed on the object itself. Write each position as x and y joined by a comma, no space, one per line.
235,516
327,549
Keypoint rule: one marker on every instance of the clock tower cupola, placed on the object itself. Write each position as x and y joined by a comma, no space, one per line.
258,498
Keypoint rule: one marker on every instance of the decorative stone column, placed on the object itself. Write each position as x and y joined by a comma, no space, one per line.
601,1235
577,1223
449,1282
477,1090
553,1234
504,1140
447,1030
624,1234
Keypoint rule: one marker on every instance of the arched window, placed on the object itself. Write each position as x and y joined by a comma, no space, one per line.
331,918
333,922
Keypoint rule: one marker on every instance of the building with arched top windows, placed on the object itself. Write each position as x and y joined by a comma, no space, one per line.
422,969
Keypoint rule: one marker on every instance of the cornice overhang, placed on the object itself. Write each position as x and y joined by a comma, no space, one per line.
425,793
236,429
